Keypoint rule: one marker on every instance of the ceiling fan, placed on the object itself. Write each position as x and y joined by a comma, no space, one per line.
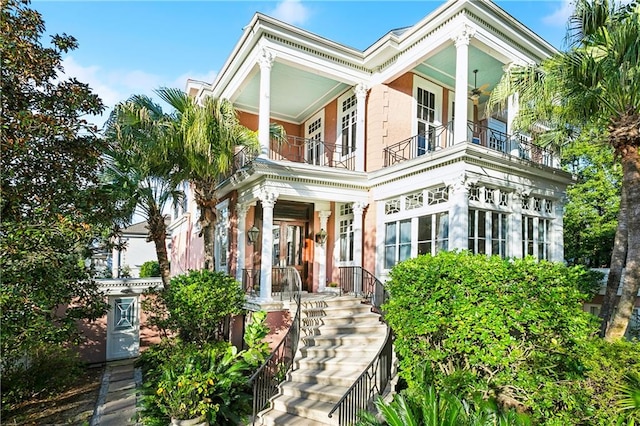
477,91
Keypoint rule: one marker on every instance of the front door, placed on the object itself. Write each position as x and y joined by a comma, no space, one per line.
289,239
123,328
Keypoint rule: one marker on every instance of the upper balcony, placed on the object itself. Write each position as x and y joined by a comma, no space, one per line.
517,146
319,153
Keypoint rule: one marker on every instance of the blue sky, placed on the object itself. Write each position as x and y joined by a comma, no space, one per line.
133,47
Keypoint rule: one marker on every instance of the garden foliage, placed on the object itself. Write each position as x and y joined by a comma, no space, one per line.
150,268
509,330
196,305
52,205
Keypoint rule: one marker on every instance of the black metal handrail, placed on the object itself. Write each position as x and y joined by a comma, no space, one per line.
314,151
375,378
434,139
486,136
273,371
532,152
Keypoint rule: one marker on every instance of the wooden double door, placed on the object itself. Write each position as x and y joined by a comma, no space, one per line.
291,247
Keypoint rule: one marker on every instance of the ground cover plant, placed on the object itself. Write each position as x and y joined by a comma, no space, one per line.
509,330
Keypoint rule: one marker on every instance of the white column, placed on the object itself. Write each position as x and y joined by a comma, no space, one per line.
241,210
321,252
461,41
265,60
361,96
515,225
268,200
459,214
358,208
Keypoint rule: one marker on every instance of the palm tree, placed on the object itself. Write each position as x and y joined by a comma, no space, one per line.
210,133
595,83
143,167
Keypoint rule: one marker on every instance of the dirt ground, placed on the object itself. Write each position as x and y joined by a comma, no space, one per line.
71,407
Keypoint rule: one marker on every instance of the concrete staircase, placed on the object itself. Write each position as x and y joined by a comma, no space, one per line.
339,337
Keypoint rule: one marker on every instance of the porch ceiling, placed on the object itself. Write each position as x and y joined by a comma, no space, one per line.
441,67
295,93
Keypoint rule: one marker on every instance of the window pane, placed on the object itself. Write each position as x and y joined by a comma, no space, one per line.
390,233
424,228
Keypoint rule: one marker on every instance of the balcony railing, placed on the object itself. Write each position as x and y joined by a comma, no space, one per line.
434,139
299,150
314,151
518,145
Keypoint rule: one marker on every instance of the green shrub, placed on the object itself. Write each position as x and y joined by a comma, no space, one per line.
196,305
150,269
510,330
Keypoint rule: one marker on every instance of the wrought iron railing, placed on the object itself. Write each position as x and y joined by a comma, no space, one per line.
273,371
517,145
375,378
280,282
313,151
357,280
527,150
433,139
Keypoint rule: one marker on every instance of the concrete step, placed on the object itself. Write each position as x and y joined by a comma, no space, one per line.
363,328
334,376
316,391
331,301
280,418
308,408
335,311
327,363
340,319
357,340
322,351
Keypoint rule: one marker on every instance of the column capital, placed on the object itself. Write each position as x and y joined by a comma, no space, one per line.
242,210
358,207
360,91
268,197
463,36
266,58
324,215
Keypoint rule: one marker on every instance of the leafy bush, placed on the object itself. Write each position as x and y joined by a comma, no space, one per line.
196,305
150,269
511,330
186,380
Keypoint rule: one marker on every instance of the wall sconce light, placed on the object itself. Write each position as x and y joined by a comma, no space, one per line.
253,234
321,236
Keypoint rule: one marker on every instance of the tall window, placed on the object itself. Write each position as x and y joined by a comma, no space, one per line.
536,239
426,114
397,242
433,233
348,125
345,232
313,133
488,232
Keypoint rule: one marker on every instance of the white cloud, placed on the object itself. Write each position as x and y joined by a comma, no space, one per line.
117,85
560,16
291,11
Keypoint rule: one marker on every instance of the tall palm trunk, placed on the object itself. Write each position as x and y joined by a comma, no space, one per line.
206,201
626,140
158,234
618,259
